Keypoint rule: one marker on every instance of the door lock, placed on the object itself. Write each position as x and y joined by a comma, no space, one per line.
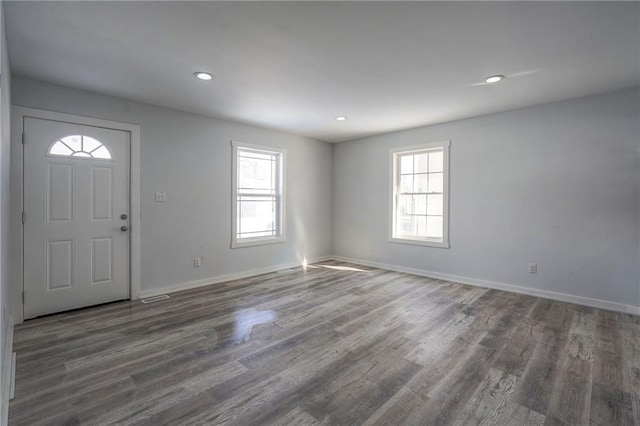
123,216
124,228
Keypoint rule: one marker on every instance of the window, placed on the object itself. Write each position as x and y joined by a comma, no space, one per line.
79,146
420,195
258,195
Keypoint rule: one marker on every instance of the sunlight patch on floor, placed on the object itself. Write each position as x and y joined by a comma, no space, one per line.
336,268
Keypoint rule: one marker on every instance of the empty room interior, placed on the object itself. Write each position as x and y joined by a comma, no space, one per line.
320,213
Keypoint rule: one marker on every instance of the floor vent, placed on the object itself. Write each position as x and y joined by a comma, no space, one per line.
155,298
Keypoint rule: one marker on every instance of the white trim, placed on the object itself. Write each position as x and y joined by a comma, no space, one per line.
266,148
259,241
446,146
228,277
282,200
19,113
12,377
414,242
420,147
545,294
6,376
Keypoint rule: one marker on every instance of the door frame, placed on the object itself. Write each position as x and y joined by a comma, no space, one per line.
18,115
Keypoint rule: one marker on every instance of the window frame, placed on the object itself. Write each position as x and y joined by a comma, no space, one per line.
79,157
280,196
394,182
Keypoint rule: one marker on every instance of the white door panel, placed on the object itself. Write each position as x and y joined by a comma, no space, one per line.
75,193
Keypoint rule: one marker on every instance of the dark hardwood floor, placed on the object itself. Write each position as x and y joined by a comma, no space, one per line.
337,344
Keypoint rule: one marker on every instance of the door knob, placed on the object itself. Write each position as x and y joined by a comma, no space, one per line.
124,228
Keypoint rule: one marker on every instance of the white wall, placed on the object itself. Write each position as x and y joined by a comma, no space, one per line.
189,157
5,168
556,184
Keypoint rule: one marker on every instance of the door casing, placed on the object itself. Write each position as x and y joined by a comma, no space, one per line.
18,115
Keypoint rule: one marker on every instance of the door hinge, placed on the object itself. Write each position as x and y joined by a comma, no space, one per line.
23,218
23,297
22,138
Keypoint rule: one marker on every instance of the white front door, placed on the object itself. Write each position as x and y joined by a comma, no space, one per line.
76,216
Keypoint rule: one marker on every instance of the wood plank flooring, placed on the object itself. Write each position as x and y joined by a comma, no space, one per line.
335,344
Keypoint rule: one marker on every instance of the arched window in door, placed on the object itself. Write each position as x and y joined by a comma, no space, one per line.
80,146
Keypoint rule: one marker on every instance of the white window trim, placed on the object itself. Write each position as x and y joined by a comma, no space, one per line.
249,242
392,199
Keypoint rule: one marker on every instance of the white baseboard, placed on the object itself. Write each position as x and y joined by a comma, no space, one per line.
6,376
562,297
579,300
223,278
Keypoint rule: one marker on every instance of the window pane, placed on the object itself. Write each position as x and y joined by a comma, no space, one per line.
420,163
256,175
60,149
81,154
434,226
406,164
420,183
101,152
421,226
435,182
404,204
435,205
405,225
406,183
420,204
89,144
256,215
74,142
436,161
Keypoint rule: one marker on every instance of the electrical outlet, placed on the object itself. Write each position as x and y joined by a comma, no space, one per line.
197,261
161,197
533,268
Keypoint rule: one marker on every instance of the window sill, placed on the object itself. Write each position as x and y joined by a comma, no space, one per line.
424,243
257,242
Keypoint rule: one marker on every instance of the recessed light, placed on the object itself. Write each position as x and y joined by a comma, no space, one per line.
203,75
341,118
494,78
